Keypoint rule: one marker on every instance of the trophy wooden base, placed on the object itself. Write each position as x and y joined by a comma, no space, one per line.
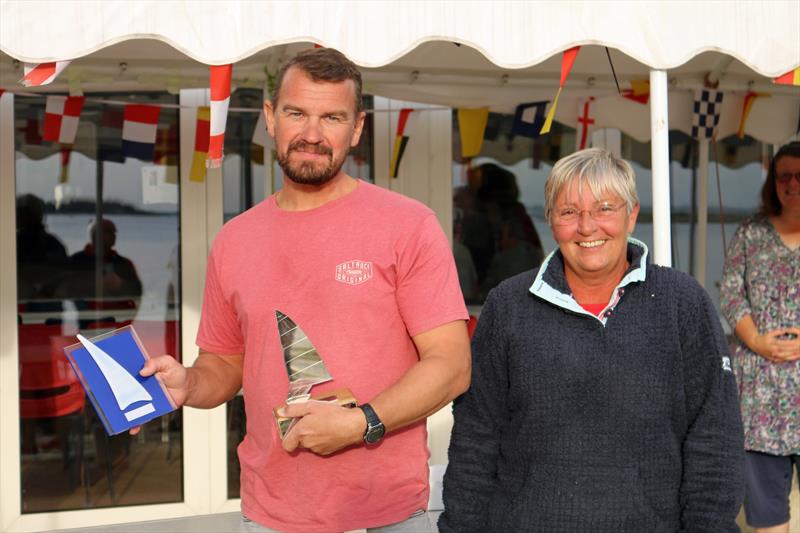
342,397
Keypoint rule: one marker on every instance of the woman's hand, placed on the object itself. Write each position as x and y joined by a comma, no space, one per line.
779,345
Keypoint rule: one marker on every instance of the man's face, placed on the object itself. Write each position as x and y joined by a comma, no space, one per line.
314,126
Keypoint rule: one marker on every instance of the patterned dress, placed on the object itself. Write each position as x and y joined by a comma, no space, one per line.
762,278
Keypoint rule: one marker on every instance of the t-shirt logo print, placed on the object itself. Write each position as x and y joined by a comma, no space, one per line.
354,272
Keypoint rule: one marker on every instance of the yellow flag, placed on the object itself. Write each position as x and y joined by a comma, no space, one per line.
550,114
201,137
471,125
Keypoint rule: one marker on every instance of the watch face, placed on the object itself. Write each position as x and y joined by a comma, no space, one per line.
374,434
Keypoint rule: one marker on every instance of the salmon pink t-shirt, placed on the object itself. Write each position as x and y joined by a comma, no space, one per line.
360,275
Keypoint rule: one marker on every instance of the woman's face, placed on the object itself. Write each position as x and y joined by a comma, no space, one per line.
593,249
788,190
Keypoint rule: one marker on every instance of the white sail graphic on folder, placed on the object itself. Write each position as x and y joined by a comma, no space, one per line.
125,388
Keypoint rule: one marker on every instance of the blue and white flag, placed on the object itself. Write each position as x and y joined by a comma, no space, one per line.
529,119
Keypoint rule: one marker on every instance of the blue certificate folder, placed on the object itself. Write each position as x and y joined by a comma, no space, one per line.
108,367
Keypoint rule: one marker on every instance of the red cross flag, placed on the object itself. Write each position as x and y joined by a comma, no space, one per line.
42,73
61,116
585,124
220,98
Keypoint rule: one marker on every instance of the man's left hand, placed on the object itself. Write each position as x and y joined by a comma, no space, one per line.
324,427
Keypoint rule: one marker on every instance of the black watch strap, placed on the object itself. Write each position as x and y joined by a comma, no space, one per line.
375,428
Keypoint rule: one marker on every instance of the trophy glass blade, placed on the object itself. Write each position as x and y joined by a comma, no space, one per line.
304,365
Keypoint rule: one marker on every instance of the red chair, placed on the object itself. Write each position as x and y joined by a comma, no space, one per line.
49,389
48,386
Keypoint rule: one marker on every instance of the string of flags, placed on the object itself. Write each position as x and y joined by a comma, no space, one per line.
40,74
139,123
61,116
139,129
400,141
749,100
220,97
705,114
567,60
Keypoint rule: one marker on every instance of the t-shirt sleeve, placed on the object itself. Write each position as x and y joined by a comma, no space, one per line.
219,330
428,292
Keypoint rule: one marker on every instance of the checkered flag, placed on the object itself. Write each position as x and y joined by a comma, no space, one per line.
707,104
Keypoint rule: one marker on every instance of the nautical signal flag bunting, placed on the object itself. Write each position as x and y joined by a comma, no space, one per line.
400,140
61,117
38,74
220,98
567,60
139,128
201,138
790,78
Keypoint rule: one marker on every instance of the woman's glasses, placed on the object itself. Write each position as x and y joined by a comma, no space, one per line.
599,212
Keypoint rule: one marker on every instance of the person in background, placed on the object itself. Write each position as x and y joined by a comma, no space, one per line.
118,280
41,256
496,228
467,275
602,397
760,297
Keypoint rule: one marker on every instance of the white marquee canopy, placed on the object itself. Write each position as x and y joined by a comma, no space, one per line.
763,34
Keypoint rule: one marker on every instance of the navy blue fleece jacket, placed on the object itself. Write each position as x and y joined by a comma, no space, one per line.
573,423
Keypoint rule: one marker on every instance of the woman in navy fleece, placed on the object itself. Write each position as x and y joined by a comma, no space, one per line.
602,397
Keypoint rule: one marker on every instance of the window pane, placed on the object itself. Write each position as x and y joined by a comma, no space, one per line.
75,274
245,184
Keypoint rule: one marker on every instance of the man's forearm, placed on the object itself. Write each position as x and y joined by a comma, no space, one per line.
213,380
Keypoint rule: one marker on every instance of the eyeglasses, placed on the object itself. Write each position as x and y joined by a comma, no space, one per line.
786,177
600,212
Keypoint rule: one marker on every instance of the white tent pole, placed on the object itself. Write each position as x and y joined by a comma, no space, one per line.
701,230
659,128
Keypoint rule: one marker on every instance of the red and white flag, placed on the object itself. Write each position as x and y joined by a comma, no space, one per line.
37,74
61,116
585,124
220,97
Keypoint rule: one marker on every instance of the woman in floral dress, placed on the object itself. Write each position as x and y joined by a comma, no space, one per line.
761,299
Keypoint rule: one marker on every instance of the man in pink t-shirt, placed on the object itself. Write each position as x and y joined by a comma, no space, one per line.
369,277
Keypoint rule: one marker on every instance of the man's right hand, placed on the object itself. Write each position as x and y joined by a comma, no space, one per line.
171,373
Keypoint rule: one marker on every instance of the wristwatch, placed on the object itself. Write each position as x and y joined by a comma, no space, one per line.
375,428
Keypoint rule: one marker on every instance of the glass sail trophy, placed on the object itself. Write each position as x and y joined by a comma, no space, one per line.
305,368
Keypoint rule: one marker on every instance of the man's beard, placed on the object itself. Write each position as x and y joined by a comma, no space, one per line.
307,172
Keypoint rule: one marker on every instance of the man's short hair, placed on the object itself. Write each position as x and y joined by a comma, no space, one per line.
321,64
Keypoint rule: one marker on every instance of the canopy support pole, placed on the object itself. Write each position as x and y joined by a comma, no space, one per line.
659,129
701,235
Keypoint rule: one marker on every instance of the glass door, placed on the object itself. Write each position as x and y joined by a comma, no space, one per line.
97,248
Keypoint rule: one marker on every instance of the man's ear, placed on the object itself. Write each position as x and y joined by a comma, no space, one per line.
269,113
358,128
